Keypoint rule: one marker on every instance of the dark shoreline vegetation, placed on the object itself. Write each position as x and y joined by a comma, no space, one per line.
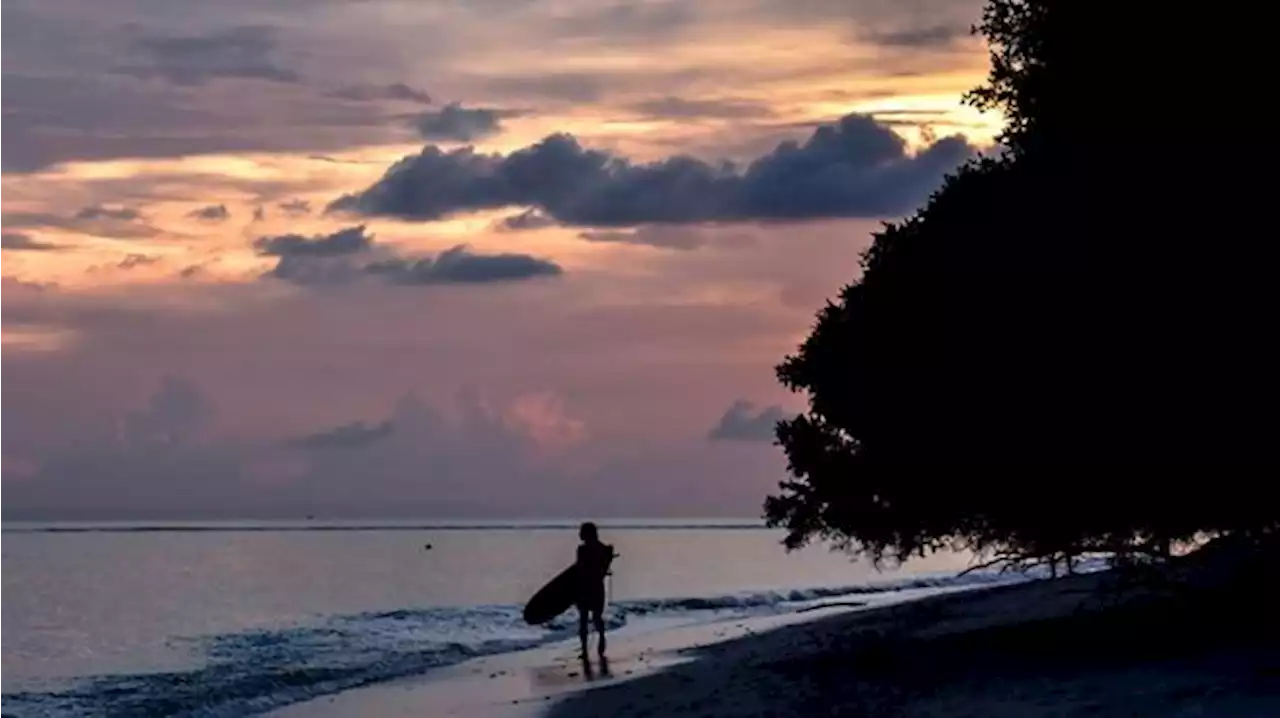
1067,349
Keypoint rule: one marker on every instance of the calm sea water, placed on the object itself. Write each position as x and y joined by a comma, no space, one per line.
233,619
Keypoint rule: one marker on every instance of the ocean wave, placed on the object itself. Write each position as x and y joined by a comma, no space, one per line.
256,671
791,599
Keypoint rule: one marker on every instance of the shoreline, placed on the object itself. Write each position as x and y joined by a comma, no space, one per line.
1086,645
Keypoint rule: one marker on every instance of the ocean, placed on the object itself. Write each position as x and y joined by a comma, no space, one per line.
238,618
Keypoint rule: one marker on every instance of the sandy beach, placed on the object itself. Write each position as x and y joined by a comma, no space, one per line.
1087,645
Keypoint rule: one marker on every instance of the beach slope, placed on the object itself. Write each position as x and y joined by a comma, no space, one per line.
1198,639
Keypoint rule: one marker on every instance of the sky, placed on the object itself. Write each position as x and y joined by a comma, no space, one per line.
376,258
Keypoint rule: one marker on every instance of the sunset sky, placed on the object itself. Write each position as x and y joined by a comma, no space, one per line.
368,258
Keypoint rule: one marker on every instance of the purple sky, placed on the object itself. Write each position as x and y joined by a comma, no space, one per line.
364,259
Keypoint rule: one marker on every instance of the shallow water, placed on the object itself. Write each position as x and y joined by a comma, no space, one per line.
229,619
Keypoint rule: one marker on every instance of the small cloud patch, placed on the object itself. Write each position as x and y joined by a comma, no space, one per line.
455,123
295,207
347,436
345,241
350,254
743,422
212,213
19,241
396,91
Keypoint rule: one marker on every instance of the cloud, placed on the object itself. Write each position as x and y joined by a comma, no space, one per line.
680,108
98,212
295,207
458,265
49,120
742,423
137,260
347,436
240,52
578,87
175,413
627,23
526,220
283,364
662,236
212,213
350,240
370,93
238,63
24,242
314,271
856,167
350,254
97,220
934,37
456,123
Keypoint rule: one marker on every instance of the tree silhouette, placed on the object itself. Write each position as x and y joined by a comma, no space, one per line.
1069,347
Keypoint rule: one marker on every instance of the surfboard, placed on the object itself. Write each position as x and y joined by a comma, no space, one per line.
552,599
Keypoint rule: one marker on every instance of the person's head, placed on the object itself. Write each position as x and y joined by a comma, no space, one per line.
588,532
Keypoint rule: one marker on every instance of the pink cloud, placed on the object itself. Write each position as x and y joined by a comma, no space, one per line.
541,417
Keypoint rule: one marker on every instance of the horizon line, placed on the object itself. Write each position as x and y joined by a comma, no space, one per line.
267,525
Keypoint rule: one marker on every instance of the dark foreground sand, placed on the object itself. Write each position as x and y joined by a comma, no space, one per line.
1198,641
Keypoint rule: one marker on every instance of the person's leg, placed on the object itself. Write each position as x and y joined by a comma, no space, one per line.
600,630
583,610
598,615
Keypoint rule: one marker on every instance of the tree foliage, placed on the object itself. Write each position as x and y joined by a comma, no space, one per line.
1069,347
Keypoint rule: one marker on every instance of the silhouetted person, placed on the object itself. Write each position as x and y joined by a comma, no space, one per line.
594,559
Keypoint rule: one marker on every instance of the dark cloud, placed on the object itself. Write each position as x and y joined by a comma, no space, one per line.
935,37
315,271
25,242
636,22
459,265
350,254
456,123
97,212
856,167
680,108
95,220
212,213
295,207
371,93
741,422
565,86
176,413
62,101
241,52
48,120
350,240
137,260
607,82
526,220
347,436
663,236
